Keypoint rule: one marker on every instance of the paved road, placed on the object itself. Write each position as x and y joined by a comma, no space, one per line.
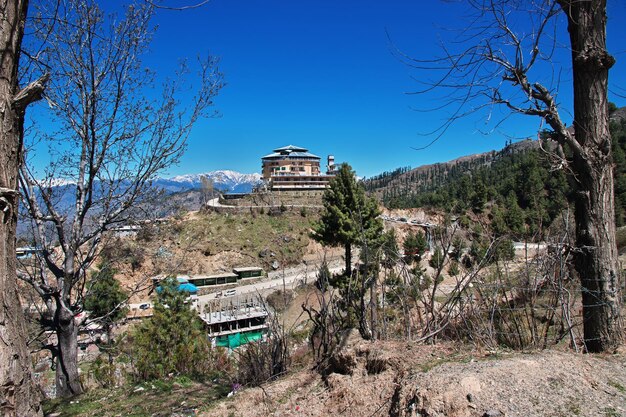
288,278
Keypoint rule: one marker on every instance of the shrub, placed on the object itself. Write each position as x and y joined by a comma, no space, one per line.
263,361
279,299
436,261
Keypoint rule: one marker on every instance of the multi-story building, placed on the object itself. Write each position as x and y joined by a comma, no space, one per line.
294,168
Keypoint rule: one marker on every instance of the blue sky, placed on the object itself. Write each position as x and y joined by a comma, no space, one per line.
320,74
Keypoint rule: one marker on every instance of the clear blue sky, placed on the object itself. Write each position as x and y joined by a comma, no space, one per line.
320,74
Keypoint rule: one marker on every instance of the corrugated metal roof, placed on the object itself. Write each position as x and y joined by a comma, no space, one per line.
247,269
291,148
291,155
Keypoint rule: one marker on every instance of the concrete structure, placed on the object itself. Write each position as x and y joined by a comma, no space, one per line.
27,252
245,318
294,168
126,231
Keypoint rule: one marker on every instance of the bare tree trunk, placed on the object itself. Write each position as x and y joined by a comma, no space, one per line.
18,393
364,329
67,377
348,248
374,307
596,258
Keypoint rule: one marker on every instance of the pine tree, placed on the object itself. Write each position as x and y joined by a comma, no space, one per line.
349,216
172,341
105,297
414,246
389,248
513,215
436,261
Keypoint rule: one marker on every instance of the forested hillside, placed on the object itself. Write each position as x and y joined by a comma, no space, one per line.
522,184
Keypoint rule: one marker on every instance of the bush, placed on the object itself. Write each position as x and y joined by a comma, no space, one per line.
103,371
453,269
436,261
263,361
123,251
147,232
279,299
323,277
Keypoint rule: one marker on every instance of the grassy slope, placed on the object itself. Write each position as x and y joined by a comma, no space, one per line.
285,235
160,398
209,243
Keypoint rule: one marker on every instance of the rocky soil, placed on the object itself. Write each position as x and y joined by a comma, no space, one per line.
404,379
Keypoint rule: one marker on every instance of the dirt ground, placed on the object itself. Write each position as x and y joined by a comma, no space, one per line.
445,380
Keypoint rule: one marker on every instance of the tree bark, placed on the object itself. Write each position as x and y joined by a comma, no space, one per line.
374,307
18,393
364,329
596,257
67,376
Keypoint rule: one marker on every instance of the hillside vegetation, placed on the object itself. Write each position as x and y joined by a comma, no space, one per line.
523,181
208,242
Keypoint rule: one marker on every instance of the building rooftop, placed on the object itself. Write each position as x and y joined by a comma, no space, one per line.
291,148
216,317
248,269
294,154
223,275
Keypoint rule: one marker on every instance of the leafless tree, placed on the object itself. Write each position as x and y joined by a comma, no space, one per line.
207,188
18,393
114,136
502,60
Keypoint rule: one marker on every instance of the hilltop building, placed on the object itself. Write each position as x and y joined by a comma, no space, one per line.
295,168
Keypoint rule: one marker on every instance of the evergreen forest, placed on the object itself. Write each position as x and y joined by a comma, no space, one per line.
521,187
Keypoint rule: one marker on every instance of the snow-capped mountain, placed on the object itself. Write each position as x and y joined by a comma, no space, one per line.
223,180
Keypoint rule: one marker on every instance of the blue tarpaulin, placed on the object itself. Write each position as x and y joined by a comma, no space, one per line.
188,287
182,287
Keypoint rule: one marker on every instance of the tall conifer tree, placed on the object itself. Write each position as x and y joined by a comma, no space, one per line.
349,216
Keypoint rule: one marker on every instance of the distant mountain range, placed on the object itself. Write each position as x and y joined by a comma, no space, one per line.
223,180
181,191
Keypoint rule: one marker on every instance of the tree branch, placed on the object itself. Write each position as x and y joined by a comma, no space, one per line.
31,93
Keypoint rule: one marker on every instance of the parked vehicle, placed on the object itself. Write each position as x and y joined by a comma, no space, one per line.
144,306
230,293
